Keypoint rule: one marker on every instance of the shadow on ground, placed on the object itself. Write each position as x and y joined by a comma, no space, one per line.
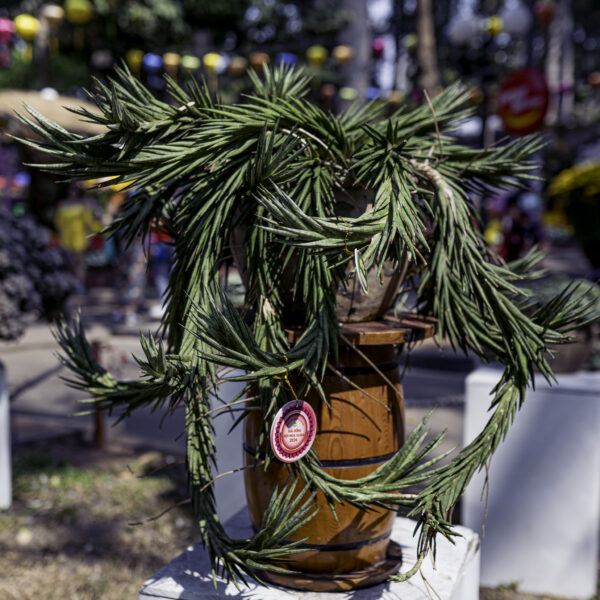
68,533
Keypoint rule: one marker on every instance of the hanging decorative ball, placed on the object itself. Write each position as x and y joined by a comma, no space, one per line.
395,97
171,62
475,95
134,58
410,42
342,55
594,79
27,27
516,18
79,12
237,65
463,29
286,58
328,91
258,59
49,93
7,29
102,59
544,11
212,61
377,48
152,63
348,93
316,55
53,14
371,93
494,25
189,62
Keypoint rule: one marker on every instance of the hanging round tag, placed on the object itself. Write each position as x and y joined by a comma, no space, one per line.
293,431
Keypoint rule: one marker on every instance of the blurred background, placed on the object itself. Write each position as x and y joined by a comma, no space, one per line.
532,66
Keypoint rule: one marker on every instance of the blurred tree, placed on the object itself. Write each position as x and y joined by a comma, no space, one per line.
357,34
201,26
560,65
68,73
153,25
428,73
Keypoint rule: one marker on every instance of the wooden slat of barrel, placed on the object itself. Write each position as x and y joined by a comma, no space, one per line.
407,327
362,434
355,541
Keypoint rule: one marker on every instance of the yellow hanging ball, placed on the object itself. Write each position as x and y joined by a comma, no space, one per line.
258,59
211,61
134,58
171,62
189,62
27,27
411,41
342,54
79,12
494,25
348,94
316,55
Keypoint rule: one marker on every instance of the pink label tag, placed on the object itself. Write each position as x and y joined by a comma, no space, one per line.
293,431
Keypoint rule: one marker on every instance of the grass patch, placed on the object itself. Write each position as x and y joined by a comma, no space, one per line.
67,534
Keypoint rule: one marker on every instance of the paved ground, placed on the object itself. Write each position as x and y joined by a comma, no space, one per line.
42,403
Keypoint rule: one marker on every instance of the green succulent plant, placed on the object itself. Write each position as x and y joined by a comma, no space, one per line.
273,165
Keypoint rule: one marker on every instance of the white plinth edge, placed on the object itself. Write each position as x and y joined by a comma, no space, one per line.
5,463
454,577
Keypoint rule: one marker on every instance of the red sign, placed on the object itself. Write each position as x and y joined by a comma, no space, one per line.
523,101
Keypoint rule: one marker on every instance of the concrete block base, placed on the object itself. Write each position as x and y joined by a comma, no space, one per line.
454,577
544,487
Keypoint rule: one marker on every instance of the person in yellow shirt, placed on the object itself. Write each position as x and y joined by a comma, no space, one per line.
74,223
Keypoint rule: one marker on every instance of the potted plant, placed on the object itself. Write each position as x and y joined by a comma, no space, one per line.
321,213
35,279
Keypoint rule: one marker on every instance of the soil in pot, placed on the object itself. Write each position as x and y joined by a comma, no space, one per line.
353,305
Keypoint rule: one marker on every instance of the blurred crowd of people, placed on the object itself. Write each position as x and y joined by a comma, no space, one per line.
140,269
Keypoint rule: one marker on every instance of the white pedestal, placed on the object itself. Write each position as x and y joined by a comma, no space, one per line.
5,465
544,487
456,576
230,495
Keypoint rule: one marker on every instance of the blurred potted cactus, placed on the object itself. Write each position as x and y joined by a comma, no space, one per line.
35,277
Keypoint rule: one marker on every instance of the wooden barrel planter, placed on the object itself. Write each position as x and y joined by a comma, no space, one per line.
355,436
